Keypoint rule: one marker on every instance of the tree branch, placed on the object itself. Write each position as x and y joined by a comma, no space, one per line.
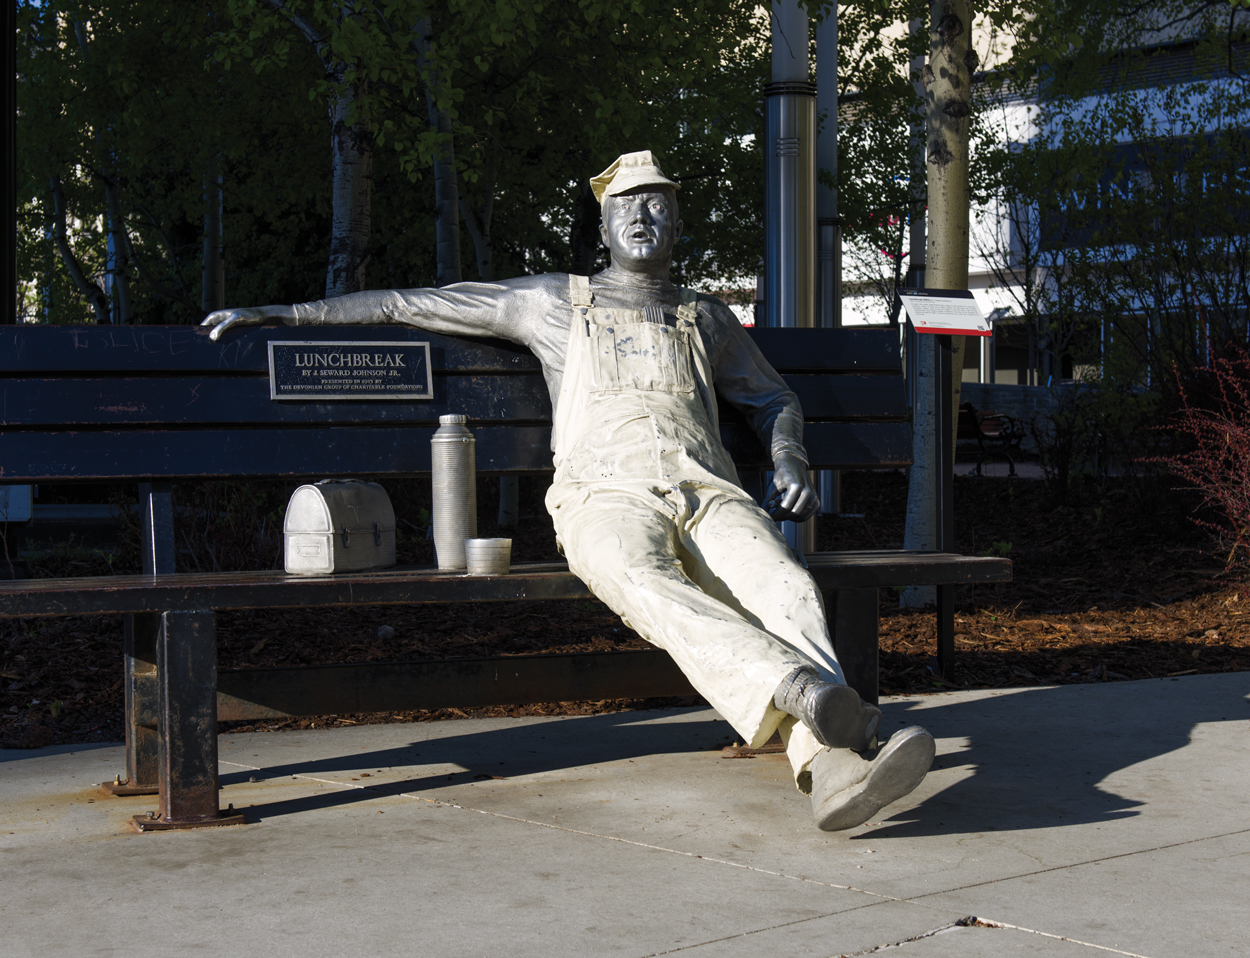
95,296
303,24
151,281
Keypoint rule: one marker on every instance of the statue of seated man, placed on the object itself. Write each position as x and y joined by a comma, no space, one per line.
646,501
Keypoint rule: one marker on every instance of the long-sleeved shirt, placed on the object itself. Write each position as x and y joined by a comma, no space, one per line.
536,311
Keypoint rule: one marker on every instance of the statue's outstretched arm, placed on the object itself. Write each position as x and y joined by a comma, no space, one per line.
224,319
465,309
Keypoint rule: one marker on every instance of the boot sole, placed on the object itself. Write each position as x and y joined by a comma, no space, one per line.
845,721
900,766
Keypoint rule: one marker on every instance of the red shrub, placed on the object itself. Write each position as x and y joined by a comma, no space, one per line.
1214,423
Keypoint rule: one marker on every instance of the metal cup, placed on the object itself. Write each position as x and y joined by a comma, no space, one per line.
488,556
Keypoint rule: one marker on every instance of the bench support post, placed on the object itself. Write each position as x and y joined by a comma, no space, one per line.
944,473
854,624
186,660
156,512
142,706
946,631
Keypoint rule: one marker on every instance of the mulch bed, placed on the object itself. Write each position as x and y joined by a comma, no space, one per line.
1115,585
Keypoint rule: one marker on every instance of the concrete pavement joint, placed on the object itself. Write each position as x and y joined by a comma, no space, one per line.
1046,934
1090,861
785,924
970,921
882,898
576,831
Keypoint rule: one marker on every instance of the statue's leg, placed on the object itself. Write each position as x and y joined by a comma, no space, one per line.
736,554
626,546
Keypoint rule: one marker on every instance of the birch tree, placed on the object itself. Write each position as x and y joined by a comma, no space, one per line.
947,79
351,142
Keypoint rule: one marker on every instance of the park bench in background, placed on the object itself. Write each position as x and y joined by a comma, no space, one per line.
997,436
157,404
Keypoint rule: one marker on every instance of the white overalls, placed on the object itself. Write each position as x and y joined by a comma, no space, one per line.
648,511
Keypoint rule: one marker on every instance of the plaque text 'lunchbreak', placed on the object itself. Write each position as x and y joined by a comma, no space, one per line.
337,371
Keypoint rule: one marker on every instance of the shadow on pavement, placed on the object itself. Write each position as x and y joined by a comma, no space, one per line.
1037,757
519,750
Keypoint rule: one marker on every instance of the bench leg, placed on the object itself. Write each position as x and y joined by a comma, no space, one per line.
142,707
186,659
946,631
156,513
854,625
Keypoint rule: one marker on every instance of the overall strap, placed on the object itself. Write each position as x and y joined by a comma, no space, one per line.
568,402
688,312
579,292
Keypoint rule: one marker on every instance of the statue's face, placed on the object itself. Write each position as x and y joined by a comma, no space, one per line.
640,228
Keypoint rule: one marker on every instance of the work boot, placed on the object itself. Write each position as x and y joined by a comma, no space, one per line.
834,713
848,788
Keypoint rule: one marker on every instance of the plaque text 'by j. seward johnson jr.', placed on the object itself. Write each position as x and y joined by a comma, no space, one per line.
323,371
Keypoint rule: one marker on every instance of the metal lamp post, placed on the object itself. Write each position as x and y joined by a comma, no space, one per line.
790,184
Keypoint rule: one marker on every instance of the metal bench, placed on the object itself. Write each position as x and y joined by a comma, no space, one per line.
997,436
158,404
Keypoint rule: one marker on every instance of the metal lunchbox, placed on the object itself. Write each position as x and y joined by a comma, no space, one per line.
338,525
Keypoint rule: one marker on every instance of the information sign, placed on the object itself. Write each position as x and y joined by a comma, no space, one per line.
325,371
952,312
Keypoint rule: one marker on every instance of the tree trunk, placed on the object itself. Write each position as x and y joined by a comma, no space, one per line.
948,88
947,83
117,294
94,295
351,219
118,257
584,233
446,194
351,150
213,286
920,529
478,222
446,204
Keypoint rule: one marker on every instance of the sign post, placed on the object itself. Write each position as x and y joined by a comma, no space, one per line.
944,313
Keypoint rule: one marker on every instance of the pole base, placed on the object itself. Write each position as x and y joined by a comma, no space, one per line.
150,823
119,788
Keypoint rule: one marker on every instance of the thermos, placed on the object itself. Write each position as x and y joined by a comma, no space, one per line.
453,458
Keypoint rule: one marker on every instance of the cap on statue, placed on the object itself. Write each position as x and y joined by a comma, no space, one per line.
628,172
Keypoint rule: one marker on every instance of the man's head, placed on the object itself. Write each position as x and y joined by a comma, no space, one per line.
641,222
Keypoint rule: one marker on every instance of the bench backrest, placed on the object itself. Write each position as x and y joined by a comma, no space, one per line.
96,403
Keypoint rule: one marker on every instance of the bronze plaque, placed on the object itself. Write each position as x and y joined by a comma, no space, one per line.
329,371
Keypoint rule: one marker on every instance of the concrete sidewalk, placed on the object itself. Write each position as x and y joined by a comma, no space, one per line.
1073,821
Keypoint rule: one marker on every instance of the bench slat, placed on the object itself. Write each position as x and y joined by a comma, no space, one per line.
845,349
848,397
829,445
338,451
108,595
359,451
200,400
163,349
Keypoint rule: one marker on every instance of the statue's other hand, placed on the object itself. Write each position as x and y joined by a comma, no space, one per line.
795,497
224,319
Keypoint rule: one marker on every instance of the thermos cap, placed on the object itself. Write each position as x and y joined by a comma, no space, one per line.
453,420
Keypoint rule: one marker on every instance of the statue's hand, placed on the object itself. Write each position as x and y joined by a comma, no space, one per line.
224,319
794,497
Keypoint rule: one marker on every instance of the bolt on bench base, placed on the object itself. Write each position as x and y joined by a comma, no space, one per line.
151,823
122,789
